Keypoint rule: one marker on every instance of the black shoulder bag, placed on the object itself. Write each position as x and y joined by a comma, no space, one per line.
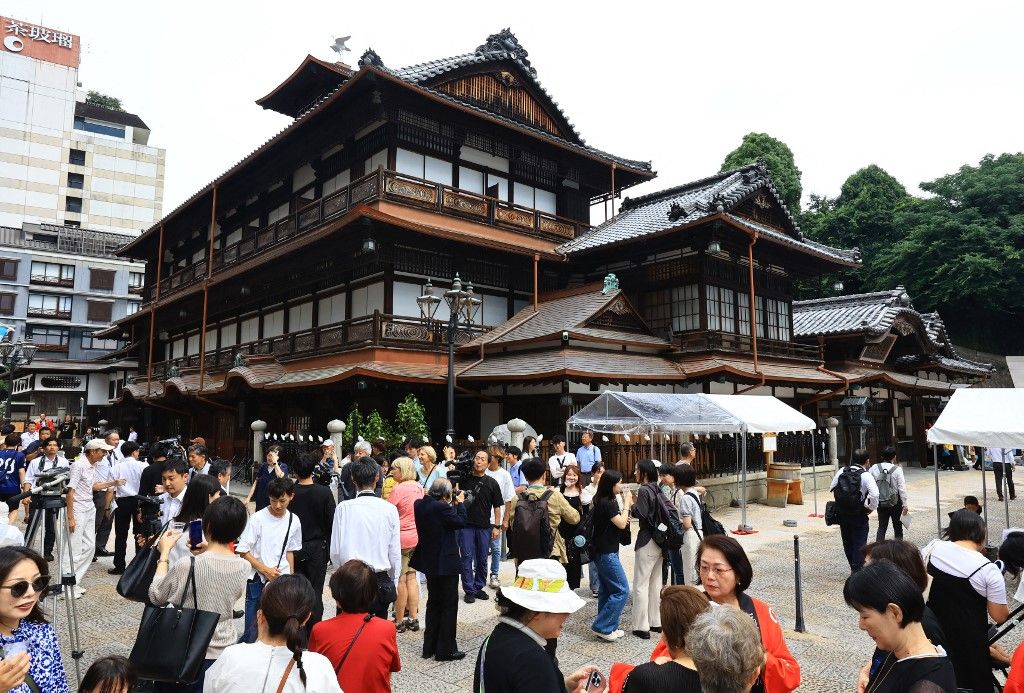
172,641
366,619
134,583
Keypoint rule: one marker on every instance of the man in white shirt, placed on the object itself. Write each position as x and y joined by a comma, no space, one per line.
366,529
50,459
129,471
560,460
855,502
104,500
508,492
175,482
198,460
30,435
80,509
269,542
1001,460
892,494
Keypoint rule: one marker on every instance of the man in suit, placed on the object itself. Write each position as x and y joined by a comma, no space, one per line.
439,517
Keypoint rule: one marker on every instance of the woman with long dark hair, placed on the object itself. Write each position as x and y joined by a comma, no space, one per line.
24,580
648,555
573,493
203,489
277,660
609,522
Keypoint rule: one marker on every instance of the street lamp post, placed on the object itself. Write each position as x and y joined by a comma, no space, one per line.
13,355
463,306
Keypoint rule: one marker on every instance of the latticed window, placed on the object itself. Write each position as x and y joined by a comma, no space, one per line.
721,309
676,309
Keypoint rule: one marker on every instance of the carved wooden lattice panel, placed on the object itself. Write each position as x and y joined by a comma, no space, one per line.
464,203
404,331
360,332
502,93
558,228
412,191
332,337
513,217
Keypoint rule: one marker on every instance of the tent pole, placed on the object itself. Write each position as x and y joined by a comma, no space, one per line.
814,472
938,509
984,485
744,527
1006,484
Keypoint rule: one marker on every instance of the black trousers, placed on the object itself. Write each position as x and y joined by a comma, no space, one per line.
124,517
49,530
314,566
386,595
999,468
442,612
895,513
104,522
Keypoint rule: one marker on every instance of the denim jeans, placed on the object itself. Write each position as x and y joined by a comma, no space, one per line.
474,542
612,592
253,592
495,556
854,532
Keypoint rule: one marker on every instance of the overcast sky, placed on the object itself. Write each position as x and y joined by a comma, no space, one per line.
917,88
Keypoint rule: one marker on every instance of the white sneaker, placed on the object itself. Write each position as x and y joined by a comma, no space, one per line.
494,583
610,637
619,633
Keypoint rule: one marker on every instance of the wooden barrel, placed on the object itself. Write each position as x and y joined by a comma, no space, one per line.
781,470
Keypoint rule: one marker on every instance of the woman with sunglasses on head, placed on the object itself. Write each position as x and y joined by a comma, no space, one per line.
726,573
24,579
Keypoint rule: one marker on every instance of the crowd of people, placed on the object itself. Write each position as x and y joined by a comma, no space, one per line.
379,528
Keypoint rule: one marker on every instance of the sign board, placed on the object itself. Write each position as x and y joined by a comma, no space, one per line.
41,43
769,442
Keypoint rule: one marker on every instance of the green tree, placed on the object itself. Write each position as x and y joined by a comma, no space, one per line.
411,419
106,101
353,426
785,174
962,250
376,427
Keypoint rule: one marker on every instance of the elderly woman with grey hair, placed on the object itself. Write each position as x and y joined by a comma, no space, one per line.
439,517
727,650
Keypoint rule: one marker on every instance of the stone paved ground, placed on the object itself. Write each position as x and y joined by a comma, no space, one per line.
830,652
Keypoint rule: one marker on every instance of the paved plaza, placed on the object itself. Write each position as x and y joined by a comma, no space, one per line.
830,652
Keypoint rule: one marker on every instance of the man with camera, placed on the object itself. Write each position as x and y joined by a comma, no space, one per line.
483,502
50,460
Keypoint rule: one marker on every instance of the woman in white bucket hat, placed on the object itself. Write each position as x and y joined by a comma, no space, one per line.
533,610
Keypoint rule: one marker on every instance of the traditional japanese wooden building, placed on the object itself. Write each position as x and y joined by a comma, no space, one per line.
286,288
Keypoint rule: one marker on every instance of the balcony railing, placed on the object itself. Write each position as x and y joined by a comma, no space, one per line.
52,281
378,329
695,342
377,186
53,313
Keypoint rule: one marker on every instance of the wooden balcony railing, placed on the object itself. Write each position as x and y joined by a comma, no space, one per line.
54,313
380,185
694,342
378,329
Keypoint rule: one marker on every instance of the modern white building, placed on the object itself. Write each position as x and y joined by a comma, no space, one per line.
62,160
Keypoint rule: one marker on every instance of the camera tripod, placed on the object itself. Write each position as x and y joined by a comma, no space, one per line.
40,505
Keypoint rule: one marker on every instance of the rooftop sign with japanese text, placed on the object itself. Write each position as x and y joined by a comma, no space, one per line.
34,41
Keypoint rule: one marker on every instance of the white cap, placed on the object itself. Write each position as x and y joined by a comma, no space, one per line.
98,444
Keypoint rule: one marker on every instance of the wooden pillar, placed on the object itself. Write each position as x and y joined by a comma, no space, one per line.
920,433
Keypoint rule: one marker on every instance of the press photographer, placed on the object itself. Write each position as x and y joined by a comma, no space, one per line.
49,461
129,472
483,523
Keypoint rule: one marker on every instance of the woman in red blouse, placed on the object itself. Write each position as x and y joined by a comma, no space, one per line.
362,647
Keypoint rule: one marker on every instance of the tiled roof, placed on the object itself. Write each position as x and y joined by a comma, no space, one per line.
873,315
548,364
568,313
500,47
686,204
108,115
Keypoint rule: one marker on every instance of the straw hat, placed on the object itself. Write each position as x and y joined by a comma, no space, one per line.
542,587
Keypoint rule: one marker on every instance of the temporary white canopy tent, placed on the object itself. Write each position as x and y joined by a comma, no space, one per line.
641,412
986,417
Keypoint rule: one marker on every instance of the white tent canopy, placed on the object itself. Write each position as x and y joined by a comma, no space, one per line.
641,412
990,417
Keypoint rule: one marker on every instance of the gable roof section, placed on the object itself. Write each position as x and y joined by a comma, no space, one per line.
688,204
313,80
586,314
874,315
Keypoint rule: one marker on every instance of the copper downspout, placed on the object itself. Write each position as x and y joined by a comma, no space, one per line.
753,312
821,367
206,291
613,190
536,261
152,312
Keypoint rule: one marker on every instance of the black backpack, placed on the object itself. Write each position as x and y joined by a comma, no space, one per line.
847,492
709,525
666,527
530,533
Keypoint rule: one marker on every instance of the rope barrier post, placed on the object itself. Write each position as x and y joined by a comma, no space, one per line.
799,591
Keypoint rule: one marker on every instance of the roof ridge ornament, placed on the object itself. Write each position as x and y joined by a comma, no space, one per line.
761,164
506,42
370,57
676,211
611,283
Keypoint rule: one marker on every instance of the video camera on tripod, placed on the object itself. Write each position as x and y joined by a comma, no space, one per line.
461,466
171,448
48,491
149,515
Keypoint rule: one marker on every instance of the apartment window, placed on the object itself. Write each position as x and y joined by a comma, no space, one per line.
721,309
99,311
7,304
49,306
99,128
89,341
133,307
101,279
49,338
53,273
76,180
73,204
73,224
9,270
76,157
135,281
